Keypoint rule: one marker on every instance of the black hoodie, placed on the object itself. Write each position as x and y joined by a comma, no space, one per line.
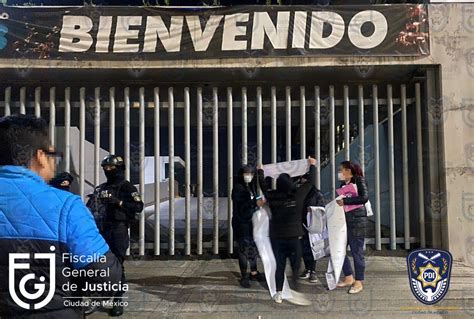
245,203
286,220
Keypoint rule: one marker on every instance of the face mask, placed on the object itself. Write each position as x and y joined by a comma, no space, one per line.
248,178
340,176
110,174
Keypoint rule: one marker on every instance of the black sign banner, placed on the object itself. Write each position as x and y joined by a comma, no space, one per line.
160,33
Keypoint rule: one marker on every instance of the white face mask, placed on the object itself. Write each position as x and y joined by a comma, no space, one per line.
340,176
248,178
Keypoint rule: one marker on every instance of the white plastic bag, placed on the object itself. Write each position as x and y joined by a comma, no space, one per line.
316,220
368,208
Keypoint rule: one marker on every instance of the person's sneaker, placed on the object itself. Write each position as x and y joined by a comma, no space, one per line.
257,277
312,277
277,297
305,274
244,282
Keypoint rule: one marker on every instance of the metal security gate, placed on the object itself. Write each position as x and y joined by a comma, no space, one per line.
204,128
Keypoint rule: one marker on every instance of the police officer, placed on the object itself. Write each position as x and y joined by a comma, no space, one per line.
62,181
114,205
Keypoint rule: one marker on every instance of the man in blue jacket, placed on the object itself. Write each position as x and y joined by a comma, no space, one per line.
49,242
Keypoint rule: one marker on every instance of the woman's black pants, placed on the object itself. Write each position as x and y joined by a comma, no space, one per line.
248,253
284,248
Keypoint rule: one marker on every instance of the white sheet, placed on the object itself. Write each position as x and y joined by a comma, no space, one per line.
293,168
337,234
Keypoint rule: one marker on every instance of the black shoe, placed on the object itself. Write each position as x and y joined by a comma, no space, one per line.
305,274
117,310
312,277
244,282
257,277
91,306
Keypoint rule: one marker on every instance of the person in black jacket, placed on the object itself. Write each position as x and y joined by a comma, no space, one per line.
313,197
245,203
356,221
115,204
62,181
286,228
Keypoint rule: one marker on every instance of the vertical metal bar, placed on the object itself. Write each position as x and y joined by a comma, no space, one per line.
199,171
156,131
406,198
347,153
52,115
317,134
215,169
96,136
38,102
361,128
332,140
274,128
171,168
391,170
82,132
112,120
375,103
141,138
22,100
302,122
126,133
259,125
361,132
230,169
288,122
244,127
187,169
419,146
8,96
67,129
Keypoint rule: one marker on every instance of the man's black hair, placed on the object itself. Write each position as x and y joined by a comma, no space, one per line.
284,183
20,137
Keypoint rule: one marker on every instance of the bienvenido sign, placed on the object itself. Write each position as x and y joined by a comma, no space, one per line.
76,31
159,33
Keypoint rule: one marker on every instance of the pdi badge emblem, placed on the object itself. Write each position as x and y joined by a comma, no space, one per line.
429,272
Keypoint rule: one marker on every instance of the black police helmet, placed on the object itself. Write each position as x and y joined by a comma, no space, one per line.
113,160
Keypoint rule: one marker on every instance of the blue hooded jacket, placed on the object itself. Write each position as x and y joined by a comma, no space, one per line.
37,218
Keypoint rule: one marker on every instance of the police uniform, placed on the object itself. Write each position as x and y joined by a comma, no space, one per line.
115,204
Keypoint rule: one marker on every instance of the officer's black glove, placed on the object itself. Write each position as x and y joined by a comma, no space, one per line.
113,201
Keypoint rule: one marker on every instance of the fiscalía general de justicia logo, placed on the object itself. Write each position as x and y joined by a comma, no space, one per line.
23,297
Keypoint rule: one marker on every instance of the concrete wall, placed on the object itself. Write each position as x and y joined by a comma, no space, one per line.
452,46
